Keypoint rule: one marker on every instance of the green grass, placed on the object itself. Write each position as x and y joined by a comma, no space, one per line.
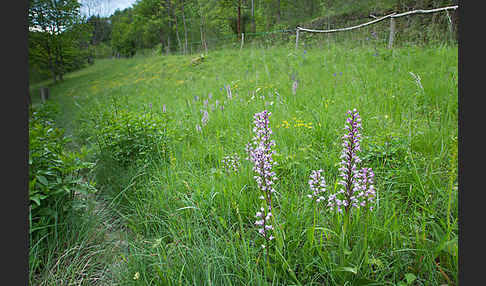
190,223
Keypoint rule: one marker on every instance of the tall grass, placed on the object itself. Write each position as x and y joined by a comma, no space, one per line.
191,223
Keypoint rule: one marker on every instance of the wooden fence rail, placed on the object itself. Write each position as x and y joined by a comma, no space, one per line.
392,17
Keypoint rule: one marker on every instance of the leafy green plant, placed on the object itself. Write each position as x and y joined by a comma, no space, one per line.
389,154
54,172
128,137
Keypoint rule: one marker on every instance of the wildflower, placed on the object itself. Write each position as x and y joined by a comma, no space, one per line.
349,160
294,87
198,128
367,189
231,163
164,109
260,154
205,103
210,95
205,118
317,184
136,276
196,98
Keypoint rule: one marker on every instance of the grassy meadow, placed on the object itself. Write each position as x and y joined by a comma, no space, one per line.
180,218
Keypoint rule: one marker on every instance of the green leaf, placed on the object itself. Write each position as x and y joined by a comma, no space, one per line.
36,199
348,269
42,180
410,277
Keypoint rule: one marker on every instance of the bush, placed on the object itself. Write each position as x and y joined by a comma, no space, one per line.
128,137
102,51
54,172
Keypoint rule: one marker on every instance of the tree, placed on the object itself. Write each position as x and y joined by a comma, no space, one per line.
101,28
56,34
123,37
185,27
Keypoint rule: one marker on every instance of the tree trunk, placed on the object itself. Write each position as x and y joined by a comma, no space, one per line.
177,29
238,23
61,62
203,34
253,26
185,28
311,8
455,20
50,62
278,11
203,40
392,33
44,94
170,25
161,37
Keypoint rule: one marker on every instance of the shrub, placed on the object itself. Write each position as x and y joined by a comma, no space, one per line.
128,137
54,172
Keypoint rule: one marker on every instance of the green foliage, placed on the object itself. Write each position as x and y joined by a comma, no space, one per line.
102,51
58,37
123,36
54,172
101,28
128,137
389,154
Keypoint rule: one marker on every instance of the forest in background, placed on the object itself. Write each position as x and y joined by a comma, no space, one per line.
63,39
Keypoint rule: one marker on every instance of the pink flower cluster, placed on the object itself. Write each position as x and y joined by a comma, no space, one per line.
317,184
357,189
367,191
260,154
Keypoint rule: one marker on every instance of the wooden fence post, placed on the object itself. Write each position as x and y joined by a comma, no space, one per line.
297,39
392,32
44,94
450,22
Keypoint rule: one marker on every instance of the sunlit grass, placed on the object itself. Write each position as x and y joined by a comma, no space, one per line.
190,223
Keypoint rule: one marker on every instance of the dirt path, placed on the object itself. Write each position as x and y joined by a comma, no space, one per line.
115,239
